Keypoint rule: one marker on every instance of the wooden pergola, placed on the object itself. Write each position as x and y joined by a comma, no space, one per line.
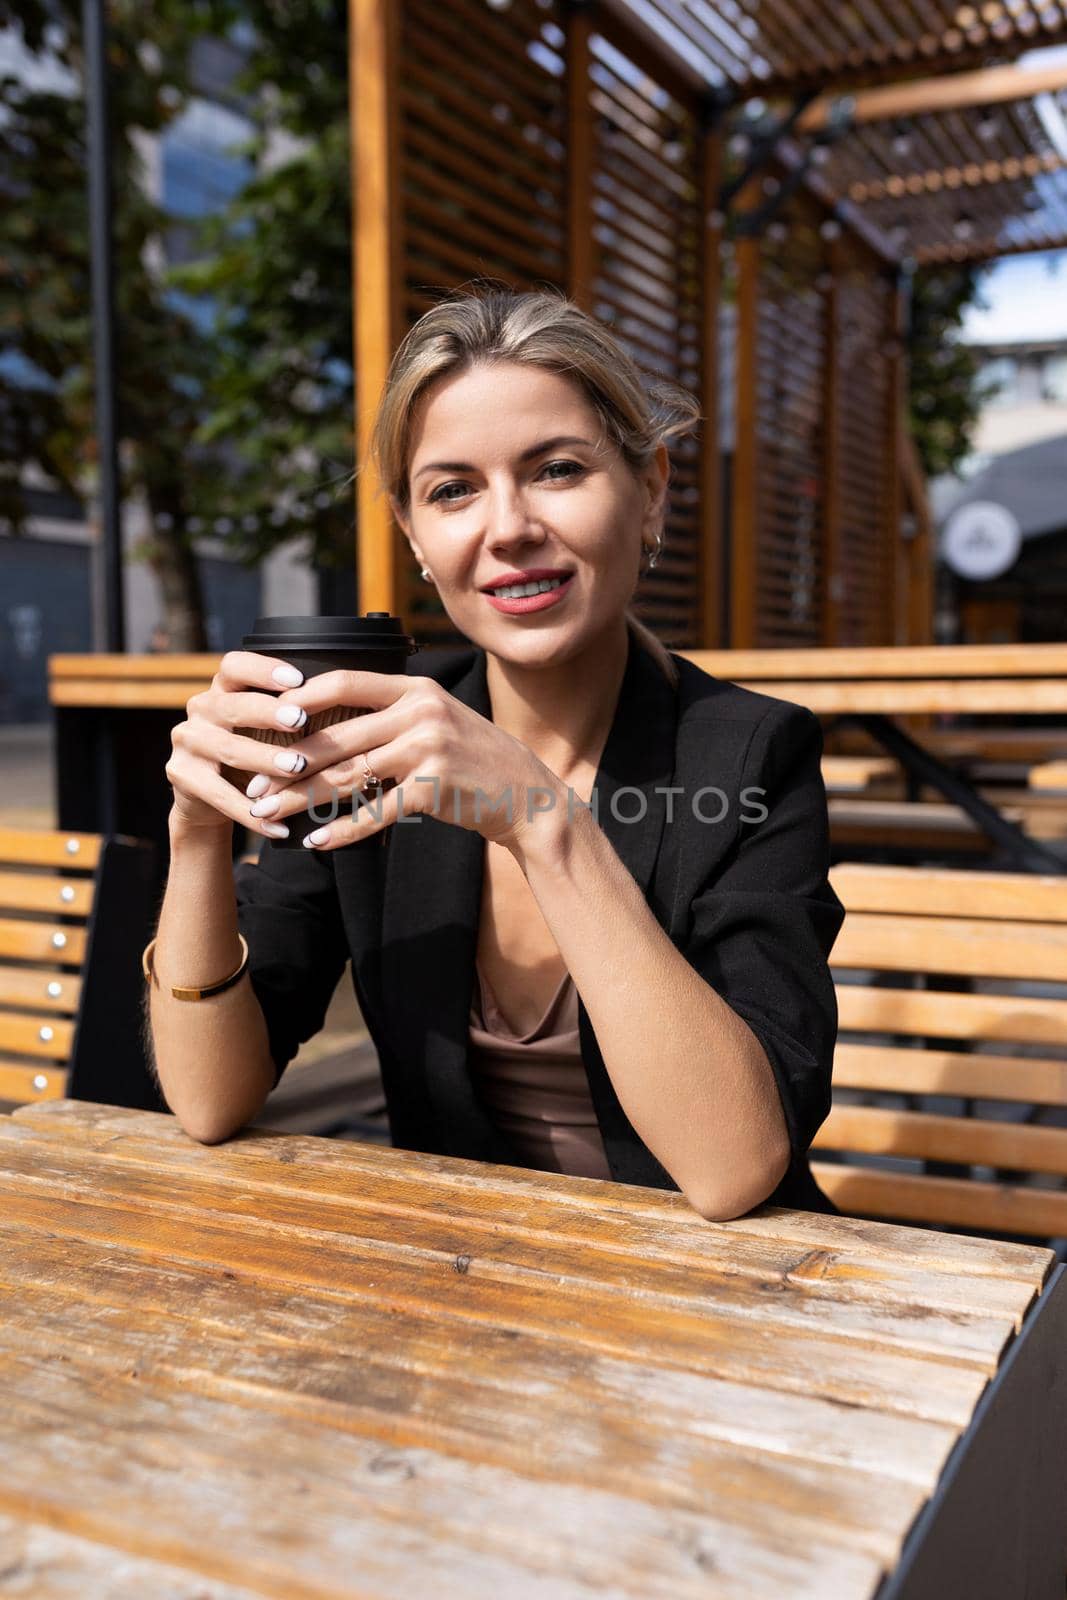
741,189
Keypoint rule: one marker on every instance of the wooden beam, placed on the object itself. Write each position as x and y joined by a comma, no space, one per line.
976,174
832,552
745,525
789,154
987,249
920,61
581,158
903,575
711,566
374,27
928,96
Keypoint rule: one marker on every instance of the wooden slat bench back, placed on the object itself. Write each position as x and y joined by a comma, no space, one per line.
72,905
911,1063
47,888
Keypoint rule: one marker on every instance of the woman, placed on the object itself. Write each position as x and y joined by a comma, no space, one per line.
641,993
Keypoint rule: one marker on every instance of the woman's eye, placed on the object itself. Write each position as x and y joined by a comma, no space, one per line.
456,489
442,492
571,468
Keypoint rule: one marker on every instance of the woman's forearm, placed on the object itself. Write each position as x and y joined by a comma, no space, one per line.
212,1056
689,1073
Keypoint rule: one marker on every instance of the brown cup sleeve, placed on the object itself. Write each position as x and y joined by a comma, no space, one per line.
282,738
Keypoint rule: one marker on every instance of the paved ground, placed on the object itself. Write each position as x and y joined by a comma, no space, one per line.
26,777
340,1052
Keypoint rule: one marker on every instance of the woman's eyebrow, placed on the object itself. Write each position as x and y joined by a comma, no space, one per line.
527,455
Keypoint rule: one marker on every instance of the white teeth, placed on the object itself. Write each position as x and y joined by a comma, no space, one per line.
517,591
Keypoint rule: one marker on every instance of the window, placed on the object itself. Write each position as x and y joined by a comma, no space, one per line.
1054,379
202,168
1003,372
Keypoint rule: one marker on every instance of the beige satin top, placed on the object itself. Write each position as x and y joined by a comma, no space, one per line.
534,1085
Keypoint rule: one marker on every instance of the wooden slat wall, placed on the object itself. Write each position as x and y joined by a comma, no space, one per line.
815,498
648,264
860,455
540,144
483,143
789,351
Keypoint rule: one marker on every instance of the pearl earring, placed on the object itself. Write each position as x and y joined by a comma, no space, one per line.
427,575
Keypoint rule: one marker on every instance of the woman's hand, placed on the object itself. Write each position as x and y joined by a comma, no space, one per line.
444,759
244,693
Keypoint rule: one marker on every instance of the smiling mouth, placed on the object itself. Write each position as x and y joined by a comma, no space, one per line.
519,591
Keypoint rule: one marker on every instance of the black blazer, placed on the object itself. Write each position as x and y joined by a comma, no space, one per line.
747,902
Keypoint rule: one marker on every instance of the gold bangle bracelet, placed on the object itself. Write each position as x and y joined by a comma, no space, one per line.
209,988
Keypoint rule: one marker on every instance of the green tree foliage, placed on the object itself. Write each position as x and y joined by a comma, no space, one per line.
945,393
277,268
46,376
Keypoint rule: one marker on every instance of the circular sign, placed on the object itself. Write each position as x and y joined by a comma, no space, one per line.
981,540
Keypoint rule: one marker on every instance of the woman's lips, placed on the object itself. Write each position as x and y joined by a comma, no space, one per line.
529,602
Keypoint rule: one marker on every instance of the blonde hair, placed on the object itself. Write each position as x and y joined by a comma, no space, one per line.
541,328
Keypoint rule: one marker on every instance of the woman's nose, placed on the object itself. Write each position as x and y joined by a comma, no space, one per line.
509,517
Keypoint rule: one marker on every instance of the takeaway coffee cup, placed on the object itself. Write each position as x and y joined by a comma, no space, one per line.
374,643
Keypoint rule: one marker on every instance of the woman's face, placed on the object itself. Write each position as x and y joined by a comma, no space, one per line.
510,480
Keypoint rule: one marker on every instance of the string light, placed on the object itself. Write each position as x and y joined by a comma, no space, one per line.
902,139
963,227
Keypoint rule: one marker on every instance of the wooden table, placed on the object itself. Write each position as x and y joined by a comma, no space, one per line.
297,1368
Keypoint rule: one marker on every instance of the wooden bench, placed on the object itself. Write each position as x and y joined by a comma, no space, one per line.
896,680
164,682
859,774
877,689
1049,775
939,1049
114,713
75,911
991,745
934,827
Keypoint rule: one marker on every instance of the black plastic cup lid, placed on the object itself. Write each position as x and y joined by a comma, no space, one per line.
377,630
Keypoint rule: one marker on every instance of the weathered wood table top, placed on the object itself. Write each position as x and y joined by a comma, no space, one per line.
298,1367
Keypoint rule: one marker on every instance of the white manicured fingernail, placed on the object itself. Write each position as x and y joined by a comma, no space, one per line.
259,785
290,761
316,836
266,808
275,830
291,716
288,677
